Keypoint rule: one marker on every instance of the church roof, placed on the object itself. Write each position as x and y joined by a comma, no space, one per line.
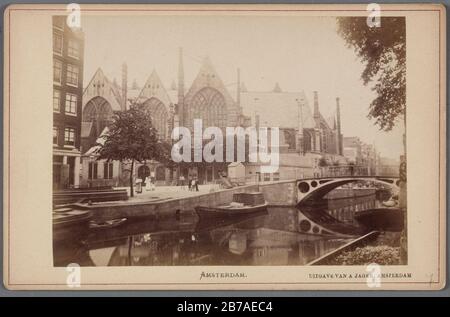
277,88
154,88
277,109
173,95
208,77
94,150
100,85
331,121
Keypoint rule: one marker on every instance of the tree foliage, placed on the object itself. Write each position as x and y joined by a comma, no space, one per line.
132,138
323,162
383,51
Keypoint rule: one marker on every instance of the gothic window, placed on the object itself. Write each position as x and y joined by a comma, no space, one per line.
160,173
308,141
209,105
289,137
159,115
143,172
98,110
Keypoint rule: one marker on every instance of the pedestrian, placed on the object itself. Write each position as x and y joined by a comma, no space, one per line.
182,181
139,185
189,183
148,183
196,184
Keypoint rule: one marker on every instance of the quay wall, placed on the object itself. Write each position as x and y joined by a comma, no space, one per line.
169,207
280,193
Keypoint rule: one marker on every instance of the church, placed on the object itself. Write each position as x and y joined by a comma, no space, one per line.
306,136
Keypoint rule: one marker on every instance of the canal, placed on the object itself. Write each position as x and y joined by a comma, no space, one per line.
270,238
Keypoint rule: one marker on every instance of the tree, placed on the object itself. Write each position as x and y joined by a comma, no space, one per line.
323,162
132,138
383,50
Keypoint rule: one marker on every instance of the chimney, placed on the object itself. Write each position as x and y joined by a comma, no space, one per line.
339,135
180,87
124,86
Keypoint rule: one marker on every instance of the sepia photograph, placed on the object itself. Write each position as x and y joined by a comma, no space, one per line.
130,190
230,141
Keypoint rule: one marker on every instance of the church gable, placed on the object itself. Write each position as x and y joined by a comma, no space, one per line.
101,86
154,88
323,123
207,83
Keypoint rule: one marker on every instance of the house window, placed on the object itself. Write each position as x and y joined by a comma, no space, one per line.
93,166
69,136
72,75
57,71
55,135
73,49
56,100
108,170
71,104
57,43
266,177
276,176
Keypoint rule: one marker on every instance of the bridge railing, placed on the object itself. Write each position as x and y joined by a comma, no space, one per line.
356,170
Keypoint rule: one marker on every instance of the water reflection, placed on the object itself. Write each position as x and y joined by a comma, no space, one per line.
271,238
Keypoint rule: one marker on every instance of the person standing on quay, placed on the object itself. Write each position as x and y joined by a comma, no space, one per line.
182,181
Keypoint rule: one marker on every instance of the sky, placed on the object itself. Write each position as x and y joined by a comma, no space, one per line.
300,53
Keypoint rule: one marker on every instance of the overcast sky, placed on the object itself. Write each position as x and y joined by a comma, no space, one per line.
300,53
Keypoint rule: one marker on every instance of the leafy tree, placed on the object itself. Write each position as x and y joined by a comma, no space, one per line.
383,50
323,162
132,138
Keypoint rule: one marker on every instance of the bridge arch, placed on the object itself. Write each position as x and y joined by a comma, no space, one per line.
317,188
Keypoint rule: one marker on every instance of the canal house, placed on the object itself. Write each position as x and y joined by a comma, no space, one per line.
68,52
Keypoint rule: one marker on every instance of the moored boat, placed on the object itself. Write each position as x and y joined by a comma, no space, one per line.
108,224
243,203
69,224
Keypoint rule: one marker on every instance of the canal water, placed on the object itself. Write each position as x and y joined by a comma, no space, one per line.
270,238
